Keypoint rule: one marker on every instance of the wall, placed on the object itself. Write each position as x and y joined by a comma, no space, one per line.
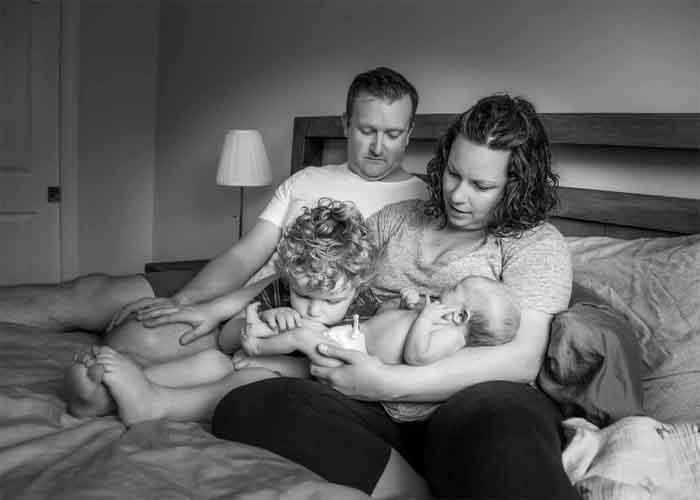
257,64
116,152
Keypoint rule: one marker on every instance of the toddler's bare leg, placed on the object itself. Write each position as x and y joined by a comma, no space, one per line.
200,368
139,399
85,393
155,345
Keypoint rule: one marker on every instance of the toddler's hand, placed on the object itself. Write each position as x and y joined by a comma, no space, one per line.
281,318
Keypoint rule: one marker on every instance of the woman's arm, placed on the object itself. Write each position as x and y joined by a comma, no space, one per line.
365,377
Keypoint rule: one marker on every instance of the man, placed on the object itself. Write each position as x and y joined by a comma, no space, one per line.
378,121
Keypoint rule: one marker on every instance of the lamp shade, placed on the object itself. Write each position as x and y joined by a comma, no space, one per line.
243,160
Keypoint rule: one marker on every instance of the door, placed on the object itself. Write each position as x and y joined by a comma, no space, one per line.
29,141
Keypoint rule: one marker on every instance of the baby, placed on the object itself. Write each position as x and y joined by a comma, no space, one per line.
478,311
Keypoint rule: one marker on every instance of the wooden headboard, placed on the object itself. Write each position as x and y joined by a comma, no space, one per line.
582,212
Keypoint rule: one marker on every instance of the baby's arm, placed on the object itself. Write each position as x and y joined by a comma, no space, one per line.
431,337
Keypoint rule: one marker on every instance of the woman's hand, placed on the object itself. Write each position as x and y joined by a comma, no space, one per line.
361,376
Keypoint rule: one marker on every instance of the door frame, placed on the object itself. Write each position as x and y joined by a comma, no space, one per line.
69,92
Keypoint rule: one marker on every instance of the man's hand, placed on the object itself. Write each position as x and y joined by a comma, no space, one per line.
199,317
160,308
140,307
361,376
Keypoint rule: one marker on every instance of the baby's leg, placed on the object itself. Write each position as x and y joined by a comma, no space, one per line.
255,329
85,393
200,368
138,399
155,345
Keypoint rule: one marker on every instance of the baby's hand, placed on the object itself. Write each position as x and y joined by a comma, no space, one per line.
437,312
281,318
410,298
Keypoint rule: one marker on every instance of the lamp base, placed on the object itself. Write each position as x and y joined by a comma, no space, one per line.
240,214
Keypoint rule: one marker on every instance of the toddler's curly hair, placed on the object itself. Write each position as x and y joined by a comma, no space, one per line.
327,246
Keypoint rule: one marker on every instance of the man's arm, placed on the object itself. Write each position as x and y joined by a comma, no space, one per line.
231,269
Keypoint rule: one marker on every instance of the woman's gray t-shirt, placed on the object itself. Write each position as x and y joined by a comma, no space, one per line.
536,266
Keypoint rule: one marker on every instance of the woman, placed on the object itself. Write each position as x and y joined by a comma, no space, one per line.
496,436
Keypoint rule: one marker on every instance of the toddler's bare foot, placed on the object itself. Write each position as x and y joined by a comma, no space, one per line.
137,398
86,395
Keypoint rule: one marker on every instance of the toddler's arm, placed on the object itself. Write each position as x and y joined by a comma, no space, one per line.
431,337
259,339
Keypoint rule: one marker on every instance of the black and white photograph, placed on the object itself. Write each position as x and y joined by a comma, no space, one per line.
349,249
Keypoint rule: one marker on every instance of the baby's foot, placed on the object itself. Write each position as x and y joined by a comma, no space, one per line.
137,398
86,395
255,329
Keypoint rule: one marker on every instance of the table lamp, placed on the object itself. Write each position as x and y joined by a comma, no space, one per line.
243,163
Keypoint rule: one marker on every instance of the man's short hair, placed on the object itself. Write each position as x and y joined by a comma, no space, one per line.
384,83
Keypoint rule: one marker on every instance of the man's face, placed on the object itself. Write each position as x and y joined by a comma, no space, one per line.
378,132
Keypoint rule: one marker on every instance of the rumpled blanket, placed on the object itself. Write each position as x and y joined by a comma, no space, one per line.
637,458
46,453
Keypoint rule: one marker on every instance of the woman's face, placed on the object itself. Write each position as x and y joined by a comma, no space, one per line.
473,183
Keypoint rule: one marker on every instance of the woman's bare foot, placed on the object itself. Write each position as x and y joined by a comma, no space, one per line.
137,398
86,395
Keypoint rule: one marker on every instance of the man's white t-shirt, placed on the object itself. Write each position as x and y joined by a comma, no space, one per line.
307,186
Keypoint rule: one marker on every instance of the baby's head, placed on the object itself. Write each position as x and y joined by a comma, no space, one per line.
492,315
326,256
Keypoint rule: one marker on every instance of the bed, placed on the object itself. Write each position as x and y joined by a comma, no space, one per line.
46,453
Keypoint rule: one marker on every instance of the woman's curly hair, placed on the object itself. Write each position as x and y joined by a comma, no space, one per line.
504,123
327,246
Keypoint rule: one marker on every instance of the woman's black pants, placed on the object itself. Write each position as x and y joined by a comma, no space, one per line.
491,440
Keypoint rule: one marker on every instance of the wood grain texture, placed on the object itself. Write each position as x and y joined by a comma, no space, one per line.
582,212
650,130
